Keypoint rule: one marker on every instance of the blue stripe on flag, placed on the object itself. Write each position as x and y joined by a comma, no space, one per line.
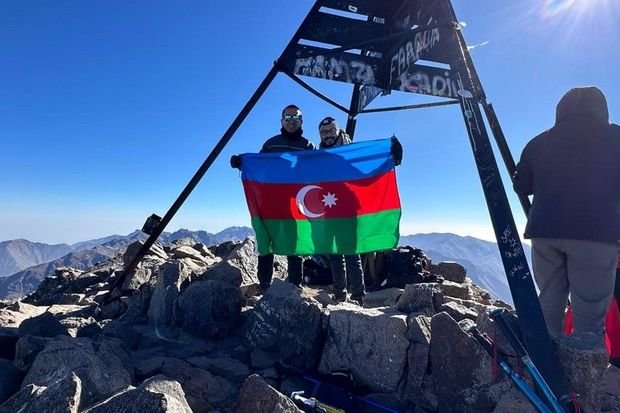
350,162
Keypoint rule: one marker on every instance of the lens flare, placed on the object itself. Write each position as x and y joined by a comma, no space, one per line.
554,7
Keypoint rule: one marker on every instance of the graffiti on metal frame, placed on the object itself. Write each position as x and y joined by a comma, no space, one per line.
367,94
512,243
422,81
410,52
335,68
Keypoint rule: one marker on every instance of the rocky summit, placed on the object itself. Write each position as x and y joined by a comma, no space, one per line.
190,333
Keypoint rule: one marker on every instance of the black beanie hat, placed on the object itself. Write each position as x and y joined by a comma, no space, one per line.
327,121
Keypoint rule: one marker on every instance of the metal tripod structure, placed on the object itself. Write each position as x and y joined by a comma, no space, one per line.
376,46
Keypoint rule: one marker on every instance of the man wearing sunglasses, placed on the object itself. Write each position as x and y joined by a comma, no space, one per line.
290,139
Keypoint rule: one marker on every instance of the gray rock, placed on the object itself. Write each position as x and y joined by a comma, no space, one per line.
121,331
473,305
13,315
83,281
584,360
10,377
140,276
419,328
240,266
286,323
459,312
204,391
156,250
209,308
101,366
167,288
461,369
71,298
370,344
420,298
451,271
185,251
228,368
27,349
61,396
417,363
452,289
382,298
514,402
257,396
260,359
158,394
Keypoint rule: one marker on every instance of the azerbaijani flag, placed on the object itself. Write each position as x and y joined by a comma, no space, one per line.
337,201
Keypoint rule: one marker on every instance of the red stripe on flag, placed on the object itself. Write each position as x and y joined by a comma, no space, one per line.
322,200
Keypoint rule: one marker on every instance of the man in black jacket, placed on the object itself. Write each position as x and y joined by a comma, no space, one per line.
289,139
573,171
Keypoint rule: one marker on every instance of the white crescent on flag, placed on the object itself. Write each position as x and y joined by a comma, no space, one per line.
301,201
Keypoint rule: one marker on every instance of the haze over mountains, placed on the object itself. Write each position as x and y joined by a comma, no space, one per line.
23,264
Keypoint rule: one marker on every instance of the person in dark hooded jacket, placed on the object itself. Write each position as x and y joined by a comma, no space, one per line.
573,172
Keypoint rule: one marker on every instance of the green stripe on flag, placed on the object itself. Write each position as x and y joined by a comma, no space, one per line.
355,235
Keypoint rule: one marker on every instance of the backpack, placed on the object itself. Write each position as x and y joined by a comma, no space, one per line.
317,271
376,267
408,265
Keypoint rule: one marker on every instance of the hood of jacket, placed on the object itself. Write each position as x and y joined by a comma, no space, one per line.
582,101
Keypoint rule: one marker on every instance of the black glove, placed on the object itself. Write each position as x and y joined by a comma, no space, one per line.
396,150
235,161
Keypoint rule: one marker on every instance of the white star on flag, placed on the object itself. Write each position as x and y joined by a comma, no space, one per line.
329,200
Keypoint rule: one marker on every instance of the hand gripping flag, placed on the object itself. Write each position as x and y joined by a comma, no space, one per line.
336,201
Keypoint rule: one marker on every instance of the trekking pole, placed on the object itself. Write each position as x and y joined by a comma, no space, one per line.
500,317
487,344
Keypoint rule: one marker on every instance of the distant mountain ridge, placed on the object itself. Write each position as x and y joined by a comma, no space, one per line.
17,254
480,258
85,254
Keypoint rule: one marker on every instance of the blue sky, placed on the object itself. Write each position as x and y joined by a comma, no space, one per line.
108,108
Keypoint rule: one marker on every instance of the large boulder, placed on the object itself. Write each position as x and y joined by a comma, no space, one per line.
370,344
163,302
158,394
239,268
204,391
584,359
461,368
288,324
256,396
209,308
420,298
60,396
101,366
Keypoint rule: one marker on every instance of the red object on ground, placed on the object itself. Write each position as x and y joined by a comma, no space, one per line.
612,328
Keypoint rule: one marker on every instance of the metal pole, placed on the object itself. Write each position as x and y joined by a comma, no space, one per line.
197,177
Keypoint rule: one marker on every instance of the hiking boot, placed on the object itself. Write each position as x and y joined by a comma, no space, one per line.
358,300
339,297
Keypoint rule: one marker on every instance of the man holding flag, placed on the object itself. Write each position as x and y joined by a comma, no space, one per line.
290,139
339,201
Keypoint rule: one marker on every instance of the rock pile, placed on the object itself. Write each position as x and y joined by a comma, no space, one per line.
193,336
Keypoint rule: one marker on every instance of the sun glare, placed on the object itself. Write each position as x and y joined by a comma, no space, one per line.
555,7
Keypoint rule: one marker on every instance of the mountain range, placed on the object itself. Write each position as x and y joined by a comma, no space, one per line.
23,264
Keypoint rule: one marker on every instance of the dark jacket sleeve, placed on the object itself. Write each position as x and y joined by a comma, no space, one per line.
522,178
